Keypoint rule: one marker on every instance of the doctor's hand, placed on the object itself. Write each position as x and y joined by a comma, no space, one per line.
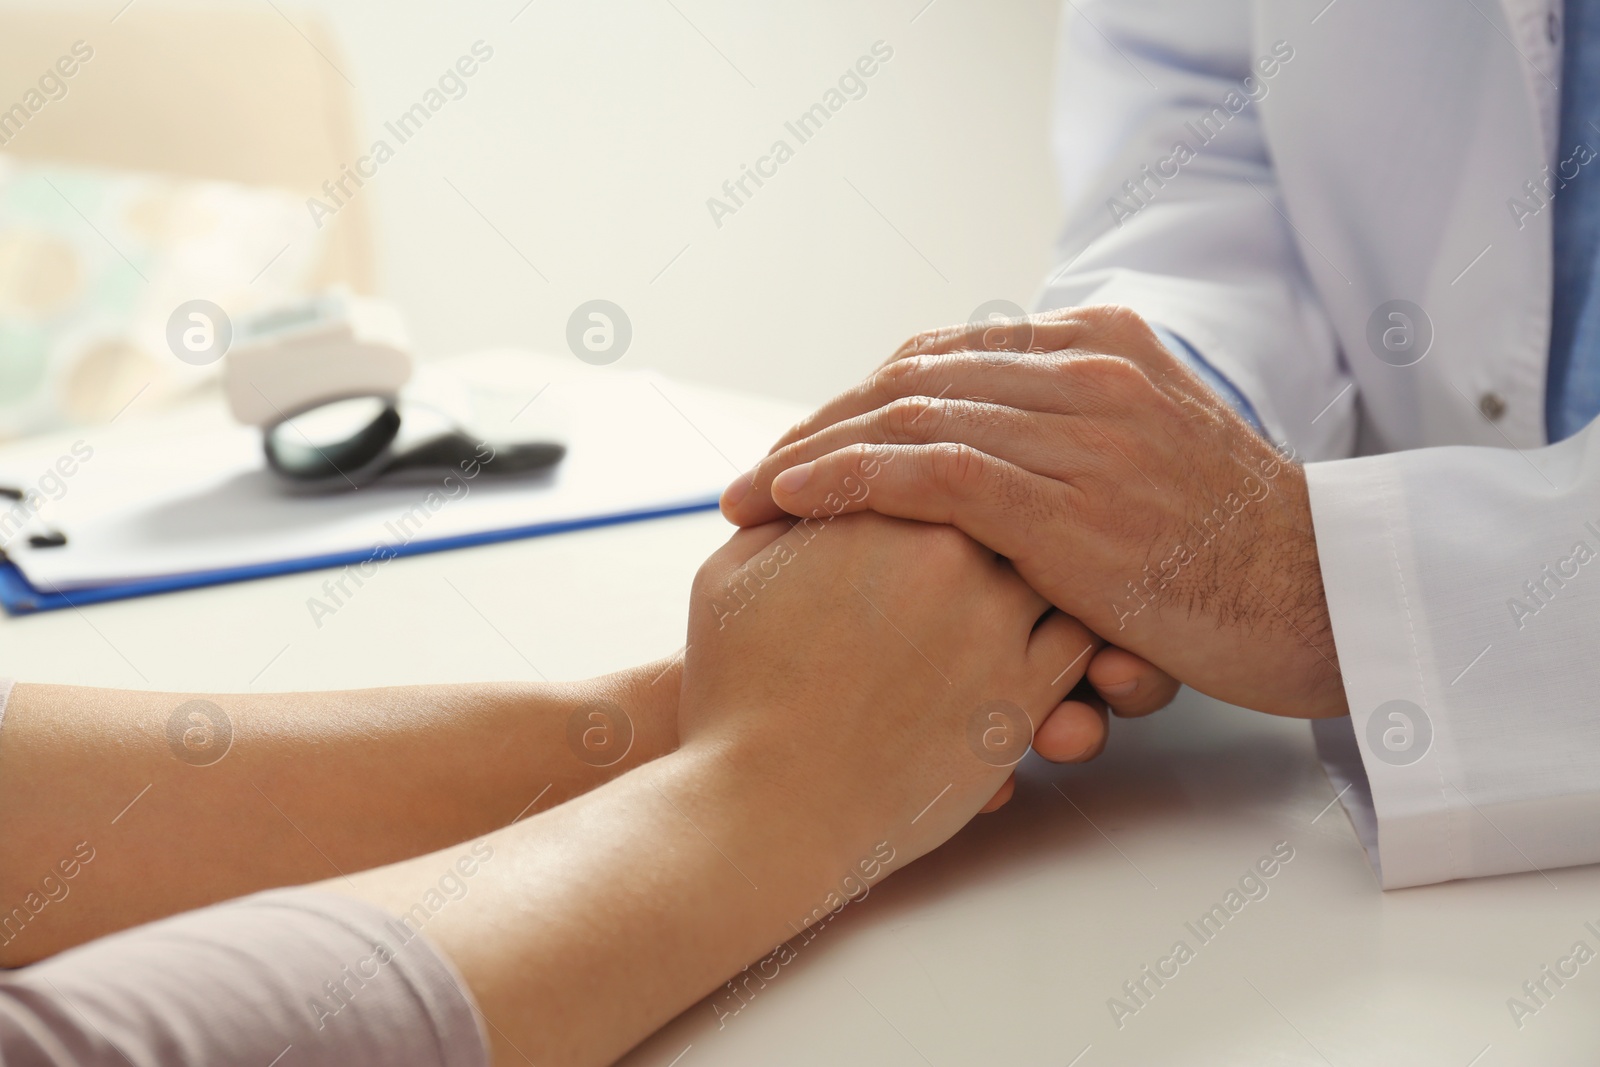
1120,486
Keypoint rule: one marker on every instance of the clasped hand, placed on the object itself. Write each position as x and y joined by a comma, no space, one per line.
1119,485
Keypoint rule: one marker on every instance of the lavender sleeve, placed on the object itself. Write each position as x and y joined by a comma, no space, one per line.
287,978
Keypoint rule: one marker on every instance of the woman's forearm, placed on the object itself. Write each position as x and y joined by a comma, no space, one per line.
121,807
581,931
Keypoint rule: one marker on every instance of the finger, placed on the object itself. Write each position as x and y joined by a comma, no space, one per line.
1038,442
939,340
1074,732
1001,795
1103,326
1130,684
997,504
1059,651
997,378
1023,601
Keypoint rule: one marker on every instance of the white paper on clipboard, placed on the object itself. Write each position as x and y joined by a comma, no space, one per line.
189,493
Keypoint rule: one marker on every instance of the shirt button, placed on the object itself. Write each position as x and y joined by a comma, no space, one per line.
1493,406
1552,27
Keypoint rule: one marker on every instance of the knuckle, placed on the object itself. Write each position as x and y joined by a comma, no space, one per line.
769,467
913,419
797,432
1119,321
918,343
1099,327
957,469
901,377
1114,379
706,578
1055,316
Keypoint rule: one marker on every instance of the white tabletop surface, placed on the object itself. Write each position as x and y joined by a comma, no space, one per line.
1005,946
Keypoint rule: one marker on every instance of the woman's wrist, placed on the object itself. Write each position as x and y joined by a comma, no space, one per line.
654,887
623,720
786,822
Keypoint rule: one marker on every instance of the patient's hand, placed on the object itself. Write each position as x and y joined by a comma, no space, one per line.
862,671
1117,682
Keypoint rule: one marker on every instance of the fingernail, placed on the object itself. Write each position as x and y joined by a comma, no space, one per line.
1083,753
1121,689
793,479
738,489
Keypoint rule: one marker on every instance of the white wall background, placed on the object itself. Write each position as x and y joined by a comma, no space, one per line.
594,137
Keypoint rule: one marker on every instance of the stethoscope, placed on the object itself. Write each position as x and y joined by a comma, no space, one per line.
353,442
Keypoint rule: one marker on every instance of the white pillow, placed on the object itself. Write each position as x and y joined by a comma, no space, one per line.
94,262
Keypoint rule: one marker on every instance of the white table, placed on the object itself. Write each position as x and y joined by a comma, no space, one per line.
1005,946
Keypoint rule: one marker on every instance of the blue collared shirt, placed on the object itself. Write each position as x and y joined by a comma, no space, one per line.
1572,396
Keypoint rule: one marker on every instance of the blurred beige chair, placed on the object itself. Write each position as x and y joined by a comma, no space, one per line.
222,92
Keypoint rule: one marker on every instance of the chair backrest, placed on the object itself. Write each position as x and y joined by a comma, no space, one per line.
222,93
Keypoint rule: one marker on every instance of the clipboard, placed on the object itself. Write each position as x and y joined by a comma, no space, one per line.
183,500
18,597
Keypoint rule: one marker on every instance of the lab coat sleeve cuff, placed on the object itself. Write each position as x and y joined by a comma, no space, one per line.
1393,751
1341,759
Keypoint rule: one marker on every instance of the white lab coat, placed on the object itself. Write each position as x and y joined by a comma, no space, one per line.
1385,159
